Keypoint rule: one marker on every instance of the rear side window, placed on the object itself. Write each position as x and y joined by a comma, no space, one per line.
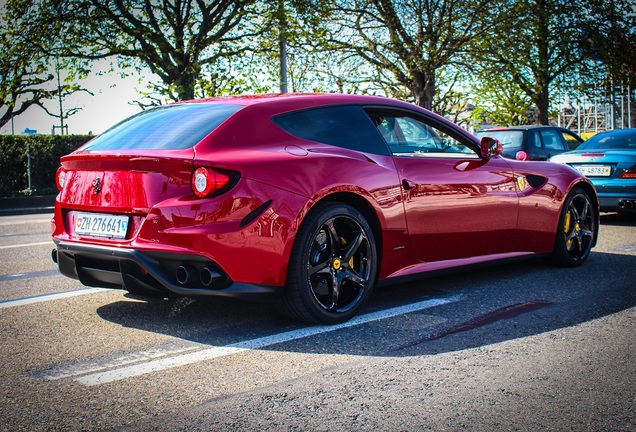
164,128
341,126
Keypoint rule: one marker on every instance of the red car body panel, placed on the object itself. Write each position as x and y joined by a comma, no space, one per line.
448,197
428,213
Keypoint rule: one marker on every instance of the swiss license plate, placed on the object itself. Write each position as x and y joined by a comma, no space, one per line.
594,170
101,225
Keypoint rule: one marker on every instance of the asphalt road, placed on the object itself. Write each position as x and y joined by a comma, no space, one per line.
517,346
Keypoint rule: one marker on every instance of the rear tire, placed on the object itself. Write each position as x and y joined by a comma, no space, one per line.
332,267
576,230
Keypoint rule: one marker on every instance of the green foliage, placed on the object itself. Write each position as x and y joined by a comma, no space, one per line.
175,40
23,74
499,101
609,35
45,152
27,73
521,52
416,42
541,50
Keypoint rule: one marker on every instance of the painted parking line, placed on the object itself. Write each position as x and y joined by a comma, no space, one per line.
27,245
25,221
626,249
26,234
107,376
48,297
29,275
97,365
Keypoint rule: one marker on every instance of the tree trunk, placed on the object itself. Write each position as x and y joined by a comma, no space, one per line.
185,84
423,88
542,104
542,74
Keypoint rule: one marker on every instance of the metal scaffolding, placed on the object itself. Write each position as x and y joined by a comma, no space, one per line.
598,114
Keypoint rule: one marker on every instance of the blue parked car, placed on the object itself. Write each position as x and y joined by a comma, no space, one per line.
609,160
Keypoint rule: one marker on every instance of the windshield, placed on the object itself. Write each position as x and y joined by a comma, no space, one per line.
510,139
615,140
163,128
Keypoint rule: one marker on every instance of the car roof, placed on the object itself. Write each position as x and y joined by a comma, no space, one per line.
299,99
523,127
278,103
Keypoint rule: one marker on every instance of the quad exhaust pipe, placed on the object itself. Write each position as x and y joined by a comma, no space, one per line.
186,274
627,204
208,276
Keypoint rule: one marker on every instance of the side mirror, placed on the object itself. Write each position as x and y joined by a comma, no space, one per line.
490,147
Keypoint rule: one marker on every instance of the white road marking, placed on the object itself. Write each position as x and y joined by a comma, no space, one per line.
124,372
30,275
27,245
49,297
72,371
25,221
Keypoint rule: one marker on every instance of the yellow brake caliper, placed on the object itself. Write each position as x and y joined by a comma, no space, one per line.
344,242
566,228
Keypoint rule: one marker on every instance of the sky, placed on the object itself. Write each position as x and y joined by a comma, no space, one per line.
110,103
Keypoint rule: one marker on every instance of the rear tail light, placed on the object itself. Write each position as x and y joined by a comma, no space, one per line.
630,173
206,181
593,154
60,178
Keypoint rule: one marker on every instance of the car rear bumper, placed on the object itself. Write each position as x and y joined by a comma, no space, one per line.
154,272
616,194
619,204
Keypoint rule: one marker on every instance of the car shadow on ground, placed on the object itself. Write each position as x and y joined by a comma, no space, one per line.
486,306
619,219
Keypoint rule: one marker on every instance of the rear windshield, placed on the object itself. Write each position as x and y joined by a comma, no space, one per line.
164,128
510,139
616,140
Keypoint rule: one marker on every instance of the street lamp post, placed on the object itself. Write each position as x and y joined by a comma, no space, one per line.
282,45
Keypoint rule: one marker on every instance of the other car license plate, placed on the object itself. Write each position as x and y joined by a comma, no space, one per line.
594,170
101,225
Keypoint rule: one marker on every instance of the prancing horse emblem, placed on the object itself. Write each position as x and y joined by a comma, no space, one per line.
97,185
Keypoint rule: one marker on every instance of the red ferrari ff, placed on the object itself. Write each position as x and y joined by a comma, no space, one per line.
307,200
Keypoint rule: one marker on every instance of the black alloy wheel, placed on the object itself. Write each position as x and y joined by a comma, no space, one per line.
576,230
333,266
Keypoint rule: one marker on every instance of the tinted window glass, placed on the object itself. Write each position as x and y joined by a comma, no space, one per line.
614,140
551,140
168,127
341,126
535,141
408,136
510,139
